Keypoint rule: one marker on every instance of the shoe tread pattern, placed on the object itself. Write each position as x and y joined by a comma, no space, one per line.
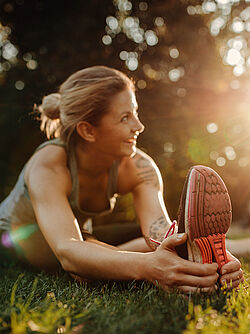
210,203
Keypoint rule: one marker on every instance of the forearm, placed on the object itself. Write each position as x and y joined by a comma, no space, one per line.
93,261
156,231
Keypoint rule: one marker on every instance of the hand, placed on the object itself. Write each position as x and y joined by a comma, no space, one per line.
232,273
169,270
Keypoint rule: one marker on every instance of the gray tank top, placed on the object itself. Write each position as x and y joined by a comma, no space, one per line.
17,208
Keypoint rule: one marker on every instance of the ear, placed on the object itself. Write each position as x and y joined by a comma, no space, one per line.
86,131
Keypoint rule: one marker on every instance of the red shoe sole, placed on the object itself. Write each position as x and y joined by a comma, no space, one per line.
208,215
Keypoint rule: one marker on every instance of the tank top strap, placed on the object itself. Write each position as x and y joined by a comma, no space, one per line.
72,164
55,141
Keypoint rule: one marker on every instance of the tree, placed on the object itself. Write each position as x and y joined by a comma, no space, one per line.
189,101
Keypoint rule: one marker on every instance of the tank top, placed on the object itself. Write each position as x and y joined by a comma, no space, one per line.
17,208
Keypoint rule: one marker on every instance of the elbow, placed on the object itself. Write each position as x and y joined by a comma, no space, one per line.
63,254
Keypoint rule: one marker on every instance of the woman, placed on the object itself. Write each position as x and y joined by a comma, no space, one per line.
78,176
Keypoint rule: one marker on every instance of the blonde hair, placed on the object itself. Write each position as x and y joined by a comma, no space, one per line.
85,96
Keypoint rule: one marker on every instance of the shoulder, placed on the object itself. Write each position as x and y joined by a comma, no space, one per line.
48,168
139,169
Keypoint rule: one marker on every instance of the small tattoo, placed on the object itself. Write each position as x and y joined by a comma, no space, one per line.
151,244
158,229
142,163
148,174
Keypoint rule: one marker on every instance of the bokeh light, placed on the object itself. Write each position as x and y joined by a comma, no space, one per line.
220,161
230,153
107,40
174,53
32,64
243,162
8,51
141,84
19,85
212,127
214,155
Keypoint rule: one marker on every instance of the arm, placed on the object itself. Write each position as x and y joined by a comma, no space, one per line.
49,187
142,177
153,216
149,203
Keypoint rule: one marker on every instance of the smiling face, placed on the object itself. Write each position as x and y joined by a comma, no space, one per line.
119,128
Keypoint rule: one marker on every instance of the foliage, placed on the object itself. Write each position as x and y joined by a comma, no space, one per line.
195,108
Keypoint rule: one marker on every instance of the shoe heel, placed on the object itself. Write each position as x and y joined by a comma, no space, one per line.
213,245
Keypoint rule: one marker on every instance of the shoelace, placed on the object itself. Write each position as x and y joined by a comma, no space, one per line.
168,233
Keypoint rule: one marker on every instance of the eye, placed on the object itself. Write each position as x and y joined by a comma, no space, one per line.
124,118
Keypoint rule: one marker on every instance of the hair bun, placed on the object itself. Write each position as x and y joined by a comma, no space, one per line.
51,105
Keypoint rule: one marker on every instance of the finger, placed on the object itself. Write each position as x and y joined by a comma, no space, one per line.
196,281
193,290
174,240
230,267
237,275
199,269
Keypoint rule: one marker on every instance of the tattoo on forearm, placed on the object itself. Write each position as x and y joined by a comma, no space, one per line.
158,229
151,244
146,172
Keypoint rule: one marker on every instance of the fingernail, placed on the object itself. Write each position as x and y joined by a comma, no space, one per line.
180,235
223,271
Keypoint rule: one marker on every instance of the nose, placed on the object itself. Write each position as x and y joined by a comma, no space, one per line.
138,127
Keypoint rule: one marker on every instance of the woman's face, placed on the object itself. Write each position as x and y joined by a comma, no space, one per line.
119,128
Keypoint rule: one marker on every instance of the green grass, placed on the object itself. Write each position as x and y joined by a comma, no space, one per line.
40,303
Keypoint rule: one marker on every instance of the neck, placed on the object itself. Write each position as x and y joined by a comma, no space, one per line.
91,161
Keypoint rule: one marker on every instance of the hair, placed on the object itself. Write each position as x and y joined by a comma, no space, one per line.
85,96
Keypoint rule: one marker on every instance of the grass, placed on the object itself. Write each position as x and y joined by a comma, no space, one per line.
40,303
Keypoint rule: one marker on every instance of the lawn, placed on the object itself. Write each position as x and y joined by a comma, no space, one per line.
40,303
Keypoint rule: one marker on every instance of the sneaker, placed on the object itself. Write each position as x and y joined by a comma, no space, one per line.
205,214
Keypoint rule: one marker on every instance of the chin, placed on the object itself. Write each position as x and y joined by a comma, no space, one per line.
128,153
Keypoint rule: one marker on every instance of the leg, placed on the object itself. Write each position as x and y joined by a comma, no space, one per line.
239,247
27,244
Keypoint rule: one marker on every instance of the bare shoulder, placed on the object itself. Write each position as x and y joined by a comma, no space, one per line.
48,168
138,170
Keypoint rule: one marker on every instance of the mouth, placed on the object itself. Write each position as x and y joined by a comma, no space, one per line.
131,141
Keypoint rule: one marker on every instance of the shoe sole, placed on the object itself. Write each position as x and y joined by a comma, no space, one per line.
205,215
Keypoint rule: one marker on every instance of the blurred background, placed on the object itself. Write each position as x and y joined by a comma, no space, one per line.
191,64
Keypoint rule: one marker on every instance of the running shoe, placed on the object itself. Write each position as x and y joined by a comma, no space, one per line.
205,214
